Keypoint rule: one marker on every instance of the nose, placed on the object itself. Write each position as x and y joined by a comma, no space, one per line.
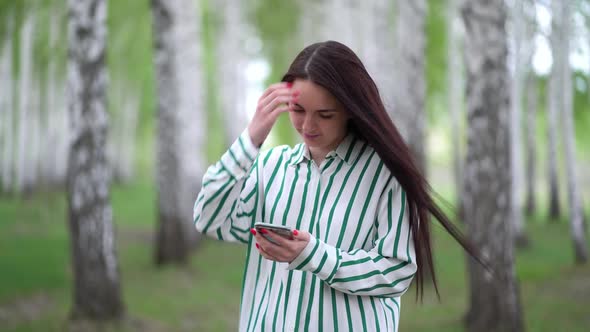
309,125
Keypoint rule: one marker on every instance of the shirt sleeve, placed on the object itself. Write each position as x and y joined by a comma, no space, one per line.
385,270
226,205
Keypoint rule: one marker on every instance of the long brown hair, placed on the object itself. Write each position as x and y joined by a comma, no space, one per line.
336,67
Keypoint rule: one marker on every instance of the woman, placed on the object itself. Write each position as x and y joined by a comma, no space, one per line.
351,191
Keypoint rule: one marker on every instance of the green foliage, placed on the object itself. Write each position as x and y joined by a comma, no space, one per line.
436,59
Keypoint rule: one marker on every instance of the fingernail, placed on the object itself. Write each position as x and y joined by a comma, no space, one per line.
295,232
289,85
263,231
253,231
257,246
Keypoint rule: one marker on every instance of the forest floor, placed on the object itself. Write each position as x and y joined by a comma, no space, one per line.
36,279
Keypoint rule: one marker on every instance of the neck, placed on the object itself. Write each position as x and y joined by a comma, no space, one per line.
317,155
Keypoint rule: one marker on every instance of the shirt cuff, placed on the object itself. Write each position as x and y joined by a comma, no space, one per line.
318,258
241,155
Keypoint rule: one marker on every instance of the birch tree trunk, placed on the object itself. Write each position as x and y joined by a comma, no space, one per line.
35,118
563,16
455,77
531,155
312,27
494,299
181,125
7,114
23,164
57,135
518,44
97,292
410,90
553,108
232,62
379,48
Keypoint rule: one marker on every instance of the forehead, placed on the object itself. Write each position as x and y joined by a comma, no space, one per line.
314,96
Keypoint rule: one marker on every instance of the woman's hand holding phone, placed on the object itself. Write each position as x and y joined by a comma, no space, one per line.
280,248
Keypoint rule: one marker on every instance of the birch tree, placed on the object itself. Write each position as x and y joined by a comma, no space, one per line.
7,113
530,122
494,302
410,88
456,95
378,46
181,125
57,126
518,71
553,105
562,16
231,64
23,153
97,292
531,144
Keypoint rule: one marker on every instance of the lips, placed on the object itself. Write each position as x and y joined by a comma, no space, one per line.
309,136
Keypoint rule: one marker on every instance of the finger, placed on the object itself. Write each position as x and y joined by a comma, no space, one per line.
281,100
264,253
280,91
301,235
274,87
281,240
276,98
263,241
280,110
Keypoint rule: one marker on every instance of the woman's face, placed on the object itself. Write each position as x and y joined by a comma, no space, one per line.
318,116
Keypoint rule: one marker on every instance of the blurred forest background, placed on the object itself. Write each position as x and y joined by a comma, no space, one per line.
121,110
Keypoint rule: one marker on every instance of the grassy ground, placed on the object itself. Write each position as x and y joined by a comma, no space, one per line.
35,278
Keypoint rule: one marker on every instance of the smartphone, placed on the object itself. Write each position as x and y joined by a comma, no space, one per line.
283,231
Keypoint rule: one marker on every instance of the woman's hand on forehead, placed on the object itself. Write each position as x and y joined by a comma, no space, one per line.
274,101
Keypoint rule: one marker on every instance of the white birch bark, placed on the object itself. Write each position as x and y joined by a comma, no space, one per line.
456,88
23,164
531,143
181,124
410,88
563,16
553,113
57,129
518,73
378,48
231,63
312,28
65,133
97,292
494,299
530,122
7,114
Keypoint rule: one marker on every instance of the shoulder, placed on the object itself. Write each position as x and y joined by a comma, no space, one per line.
384,177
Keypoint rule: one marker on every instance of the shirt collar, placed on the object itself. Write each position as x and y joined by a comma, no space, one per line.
345,150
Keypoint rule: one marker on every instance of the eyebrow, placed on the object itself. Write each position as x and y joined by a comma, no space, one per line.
330,110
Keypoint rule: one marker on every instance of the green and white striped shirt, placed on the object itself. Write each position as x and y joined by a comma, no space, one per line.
360,258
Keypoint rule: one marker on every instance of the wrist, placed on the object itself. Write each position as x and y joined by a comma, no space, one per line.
255,140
